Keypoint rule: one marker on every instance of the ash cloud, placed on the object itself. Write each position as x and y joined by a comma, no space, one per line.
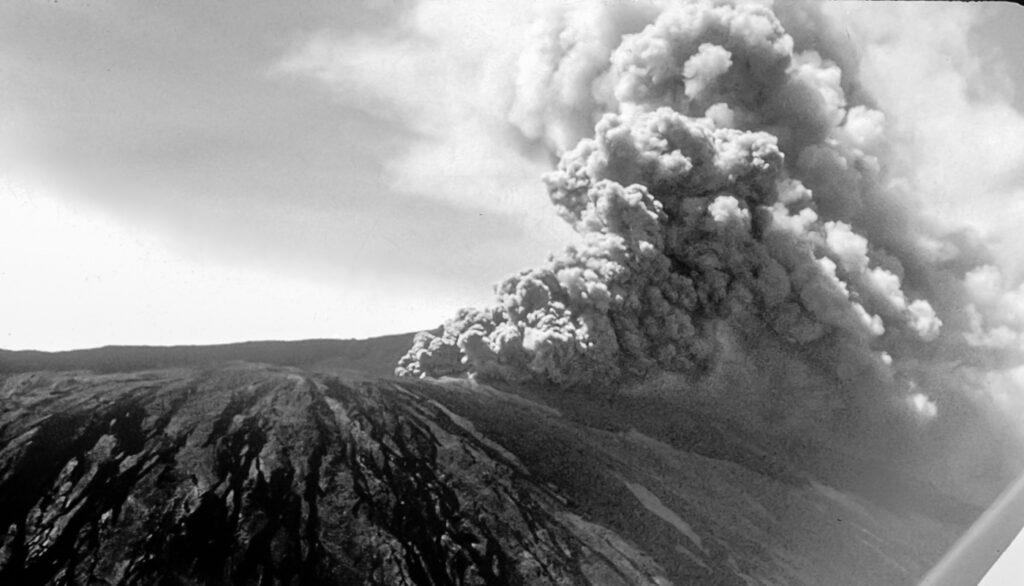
742,224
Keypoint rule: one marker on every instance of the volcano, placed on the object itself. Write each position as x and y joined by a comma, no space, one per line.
764,354
207,471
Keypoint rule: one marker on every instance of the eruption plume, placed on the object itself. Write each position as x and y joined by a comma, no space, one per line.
742,222
726,176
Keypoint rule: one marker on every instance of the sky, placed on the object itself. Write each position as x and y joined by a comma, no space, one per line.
206,172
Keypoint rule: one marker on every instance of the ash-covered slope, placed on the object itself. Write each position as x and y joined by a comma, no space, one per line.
249,474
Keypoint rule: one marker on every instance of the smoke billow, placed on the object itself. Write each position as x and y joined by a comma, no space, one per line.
742,221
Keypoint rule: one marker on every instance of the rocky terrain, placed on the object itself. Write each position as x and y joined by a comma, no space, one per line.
249,473
254,474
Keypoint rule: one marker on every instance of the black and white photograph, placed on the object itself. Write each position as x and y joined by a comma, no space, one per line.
484,292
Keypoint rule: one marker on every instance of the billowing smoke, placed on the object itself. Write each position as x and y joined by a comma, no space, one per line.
742,223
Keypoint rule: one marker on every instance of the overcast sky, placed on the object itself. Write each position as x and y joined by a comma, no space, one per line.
203,172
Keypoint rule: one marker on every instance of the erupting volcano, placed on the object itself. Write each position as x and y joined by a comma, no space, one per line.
762,356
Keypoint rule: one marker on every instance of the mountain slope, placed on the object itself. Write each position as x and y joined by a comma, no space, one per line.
254,474
376,356
249,473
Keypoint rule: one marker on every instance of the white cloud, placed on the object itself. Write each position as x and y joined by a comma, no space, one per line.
446,71
922,406
73,278
953,109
